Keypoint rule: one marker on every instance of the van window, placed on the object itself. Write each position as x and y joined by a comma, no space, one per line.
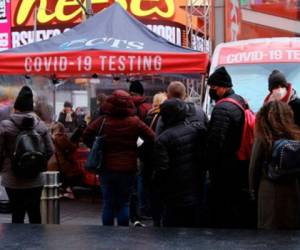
251,80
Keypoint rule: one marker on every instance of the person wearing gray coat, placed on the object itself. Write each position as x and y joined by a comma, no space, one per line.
24,193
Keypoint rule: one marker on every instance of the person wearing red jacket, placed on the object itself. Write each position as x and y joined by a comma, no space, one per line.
142,107
121,130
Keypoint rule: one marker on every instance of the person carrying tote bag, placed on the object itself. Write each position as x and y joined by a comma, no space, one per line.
94,160
121,129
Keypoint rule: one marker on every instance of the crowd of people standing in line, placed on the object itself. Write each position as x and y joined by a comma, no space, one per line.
184,170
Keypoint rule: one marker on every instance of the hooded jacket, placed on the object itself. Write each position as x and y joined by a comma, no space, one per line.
121,130
178,171
8,135
194,114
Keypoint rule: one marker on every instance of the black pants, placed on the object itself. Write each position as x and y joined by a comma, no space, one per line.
25,200
187,216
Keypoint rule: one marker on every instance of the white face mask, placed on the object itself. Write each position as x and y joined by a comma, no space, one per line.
279,93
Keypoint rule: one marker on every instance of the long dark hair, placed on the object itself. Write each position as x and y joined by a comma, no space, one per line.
275,120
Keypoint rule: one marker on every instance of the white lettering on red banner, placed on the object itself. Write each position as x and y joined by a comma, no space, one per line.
260,56
84,64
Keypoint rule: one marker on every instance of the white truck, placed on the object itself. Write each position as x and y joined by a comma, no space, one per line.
249,63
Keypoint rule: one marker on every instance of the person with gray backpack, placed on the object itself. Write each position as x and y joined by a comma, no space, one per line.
25,148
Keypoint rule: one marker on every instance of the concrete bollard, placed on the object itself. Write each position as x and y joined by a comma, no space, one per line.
50,207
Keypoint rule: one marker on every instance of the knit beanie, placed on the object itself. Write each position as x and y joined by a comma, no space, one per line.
24,100
220,78
136,87
276,79
68,104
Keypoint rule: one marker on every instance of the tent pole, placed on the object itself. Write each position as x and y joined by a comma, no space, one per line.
35,23
88,11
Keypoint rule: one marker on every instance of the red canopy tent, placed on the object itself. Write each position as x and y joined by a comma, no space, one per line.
111,42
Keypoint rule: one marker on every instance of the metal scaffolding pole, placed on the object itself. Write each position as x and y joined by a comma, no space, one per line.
197,37
88,10
198,24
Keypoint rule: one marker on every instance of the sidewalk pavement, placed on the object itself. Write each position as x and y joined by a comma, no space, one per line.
84,210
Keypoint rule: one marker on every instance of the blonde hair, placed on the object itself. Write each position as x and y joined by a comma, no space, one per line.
158,99
56,128
176,89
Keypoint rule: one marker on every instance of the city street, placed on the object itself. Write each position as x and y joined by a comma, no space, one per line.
84,210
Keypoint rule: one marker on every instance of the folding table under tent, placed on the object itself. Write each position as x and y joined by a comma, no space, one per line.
112,42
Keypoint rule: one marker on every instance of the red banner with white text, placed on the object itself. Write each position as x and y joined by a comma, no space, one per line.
71,63
265,52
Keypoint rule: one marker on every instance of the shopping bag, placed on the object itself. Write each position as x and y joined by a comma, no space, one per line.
95,156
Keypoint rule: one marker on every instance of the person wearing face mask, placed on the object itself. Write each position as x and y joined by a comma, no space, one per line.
281,90
68,117
228,175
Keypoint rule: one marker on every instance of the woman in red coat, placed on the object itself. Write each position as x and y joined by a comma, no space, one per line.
121,130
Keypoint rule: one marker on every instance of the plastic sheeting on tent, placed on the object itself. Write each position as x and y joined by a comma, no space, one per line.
110,42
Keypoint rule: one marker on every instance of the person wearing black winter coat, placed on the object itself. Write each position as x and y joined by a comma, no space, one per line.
178,171
228,199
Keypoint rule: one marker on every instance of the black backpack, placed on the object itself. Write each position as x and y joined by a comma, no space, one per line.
29,156
285,159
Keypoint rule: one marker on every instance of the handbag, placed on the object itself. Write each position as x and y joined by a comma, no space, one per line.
95,156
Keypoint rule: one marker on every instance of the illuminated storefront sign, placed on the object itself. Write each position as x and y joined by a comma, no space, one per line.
5,22
165,17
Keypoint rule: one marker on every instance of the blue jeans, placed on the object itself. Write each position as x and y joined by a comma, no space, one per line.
116,191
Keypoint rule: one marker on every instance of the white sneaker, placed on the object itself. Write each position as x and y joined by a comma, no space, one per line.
138,224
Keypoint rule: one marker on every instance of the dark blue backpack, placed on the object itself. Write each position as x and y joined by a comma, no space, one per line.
285,159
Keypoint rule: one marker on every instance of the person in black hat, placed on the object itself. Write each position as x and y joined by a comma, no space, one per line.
68,117
24,193
281,90
229,175
142,107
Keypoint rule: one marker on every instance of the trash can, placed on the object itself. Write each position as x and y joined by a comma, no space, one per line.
50,208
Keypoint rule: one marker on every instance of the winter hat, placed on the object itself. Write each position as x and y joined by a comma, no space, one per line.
172,111
276,79
220,78
68,105
136,87
24,100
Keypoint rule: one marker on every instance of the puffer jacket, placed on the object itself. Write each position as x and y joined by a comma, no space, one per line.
194,114
178,169
121,130
8,135
223,140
